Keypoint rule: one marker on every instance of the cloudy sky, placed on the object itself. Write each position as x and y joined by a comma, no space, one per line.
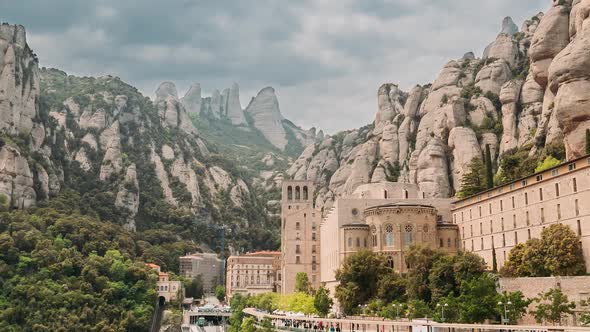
325,58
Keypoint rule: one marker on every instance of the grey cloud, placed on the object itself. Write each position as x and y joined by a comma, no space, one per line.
326,58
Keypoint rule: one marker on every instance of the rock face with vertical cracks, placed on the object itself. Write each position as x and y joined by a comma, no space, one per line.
569,80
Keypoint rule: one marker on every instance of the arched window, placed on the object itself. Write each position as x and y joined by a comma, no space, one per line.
297,193
408,235
358,242
385,194
305,194
365,242
388,237
449,242
441,244
289,193
390,262
297,225
405,194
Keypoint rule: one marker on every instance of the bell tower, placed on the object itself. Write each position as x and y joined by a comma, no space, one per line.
300,245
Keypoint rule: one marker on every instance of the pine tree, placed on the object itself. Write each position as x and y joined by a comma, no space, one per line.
489,169
587,141
494,260
473,181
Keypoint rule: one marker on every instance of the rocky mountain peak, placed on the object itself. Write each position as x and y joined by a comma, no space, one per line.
192,99
266,116
234,107
508,26
165,90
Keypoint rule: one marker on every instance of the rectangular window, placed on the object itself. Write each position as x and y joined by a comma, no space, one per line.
526,198
511,186
513,202
501,206
470,215
539,177
462,216
542,215
481,246
577,208
513,221
572,166
480,229
528,219
491,227
540,194
297,249
555,172
480,211
297,260
524,182
515,238
503,240
490,208
502,220
529,233
557,190
558,211
472,246
471,232
579,228
575,185
313,236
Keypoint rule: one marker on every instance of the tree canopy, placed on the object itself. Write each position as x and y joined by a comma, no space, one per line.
557,253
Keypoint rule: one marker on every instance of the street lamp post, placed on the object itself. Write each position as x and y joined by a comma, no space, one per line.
505,319
442,310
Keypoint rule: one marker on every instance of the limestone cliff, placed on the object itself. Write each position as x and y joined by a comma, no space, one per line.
135,158
529,90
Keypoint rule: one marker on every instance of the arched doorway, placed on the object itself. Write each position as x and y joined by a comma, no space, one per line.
161,301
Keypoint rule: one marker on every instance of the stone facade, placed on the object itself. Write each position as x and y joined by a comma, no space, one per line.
575,288
516,212
300,234
253,273
169,290
387,218
208,266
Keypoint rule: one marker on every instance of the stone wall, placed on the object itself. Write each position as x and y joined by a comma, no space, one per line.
576,289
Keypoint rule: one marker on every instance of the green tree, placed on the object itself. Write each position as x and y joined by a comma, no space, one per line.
194,288
562,251
391,287
418,309
220,293
517,308
489,168
548,163
248,325
494,260
420,259
552,306
237,304
473,181
585,316
322,301
557,253
478,300
359,278
302,283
